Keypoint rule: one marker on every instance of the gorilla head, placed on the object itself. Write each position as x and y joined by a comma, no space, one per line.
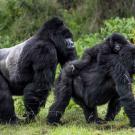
56,32
116,42
126,50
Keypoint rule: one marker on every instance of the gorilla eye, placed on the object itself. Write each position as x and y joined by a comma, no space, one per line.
69,43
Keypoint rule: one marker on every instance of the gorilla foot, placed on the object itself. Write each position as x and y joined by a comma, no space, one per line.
12,121
54,118
29,120
55,123
109,119
97,121
29,117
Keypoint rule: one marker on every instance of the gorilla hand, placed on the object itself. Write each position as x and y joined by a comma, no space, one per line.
71,68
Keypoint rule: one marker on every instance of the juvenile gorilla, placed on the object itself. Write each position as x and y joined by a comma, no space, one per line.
106,79
112,45
29,68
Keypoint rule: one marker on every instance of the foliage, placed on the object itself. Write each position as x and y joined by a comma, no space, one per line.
125,26
21,19
19,106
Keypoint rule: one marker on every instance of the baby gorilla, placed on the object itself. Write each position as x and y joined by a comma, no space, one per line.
106,78
112,45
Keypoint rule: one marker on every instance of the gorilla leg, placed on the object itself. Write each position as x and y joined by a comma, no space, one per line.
33,100
113,108
58,108
63,95
7,112
90,114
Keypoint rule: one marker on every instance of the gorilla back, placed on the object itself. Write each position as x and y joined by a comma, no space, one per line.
29,68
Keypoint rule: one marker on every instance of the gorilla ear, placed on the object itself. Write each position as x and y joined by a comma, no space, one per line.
53,23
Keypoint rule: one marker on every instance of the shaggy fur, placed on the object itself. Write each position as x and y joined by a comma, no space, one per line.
106,79
29,68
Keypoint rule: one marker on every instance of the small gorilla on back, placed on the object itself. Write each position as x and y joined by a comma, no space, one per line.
112,45
104,76
29,68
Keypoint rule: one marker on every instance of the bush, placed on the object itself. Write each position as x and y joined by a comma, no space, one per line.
20,19
125,26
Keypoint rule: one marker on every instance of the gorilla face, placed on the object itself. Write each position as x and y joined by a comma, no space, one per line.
117,41
69,43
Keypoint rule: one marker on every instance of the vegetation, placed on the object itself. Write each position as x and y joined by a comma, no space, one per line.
20,19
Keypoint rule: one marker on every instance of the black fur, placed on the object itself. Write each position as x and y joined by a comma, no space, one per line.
106,79
31,73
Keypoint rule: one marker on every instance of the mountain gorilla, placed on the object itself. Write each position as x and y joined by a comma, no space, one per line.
29,68
105,79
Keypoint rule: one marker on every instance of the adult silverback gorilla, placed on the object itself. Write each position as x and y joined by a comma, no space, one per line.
106,79
29,68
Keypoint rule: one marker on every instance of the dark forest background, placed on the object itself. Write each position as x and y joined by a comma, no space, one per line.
21,18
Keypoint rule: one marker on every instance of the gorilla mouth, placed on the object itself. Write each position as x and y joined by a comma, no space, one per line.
70,43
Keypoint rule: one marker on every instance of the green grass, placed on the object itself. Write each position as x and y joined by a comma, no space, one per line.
74,124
